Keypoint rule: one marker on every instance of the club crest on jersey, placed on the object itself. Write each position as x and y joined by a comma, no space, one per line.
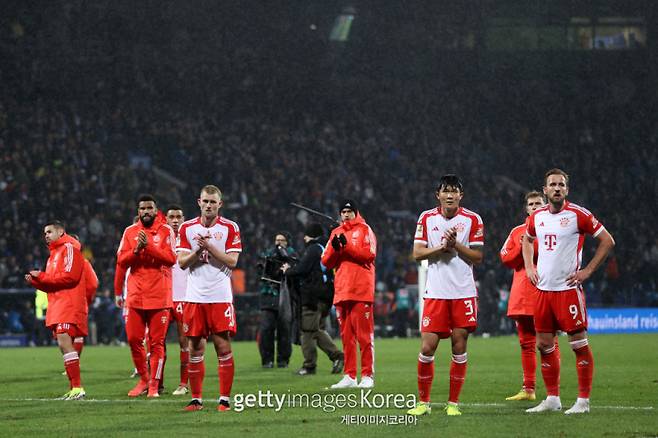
156,239
163,319
218,235
564,221
460,227
426,321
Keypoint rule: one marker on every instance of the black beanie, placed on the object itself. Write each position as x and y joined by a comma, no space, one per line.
348,204
313,230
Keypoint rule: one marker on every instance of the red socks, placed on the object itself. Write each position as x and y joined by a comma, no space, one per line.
527,339
584,366
550,370
184,362
197,371
72,366
425,377
457,376
225,371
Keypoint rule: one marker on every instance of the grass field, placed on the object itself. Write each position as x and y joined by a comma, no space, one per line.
624,400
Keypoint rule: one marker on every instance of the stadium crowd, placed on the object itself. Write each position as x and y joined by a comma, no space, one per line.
270,131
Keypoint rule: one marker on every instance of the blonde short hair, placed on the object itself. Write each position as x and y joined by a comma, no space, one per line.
211,190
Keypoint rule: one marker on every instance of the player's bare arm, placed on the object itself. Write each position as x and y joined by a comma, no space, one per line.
422,252
187,259
229,259
606,243
472,255
528,257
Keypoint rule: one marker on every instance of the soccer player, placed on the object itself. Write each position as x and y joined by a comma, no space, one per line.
64,282
147,248
523,296
351,250
450,237
175,219
209,247
559,229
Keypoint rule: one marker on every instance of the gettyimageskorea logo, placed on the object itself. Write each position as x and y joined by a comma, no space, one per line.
327,402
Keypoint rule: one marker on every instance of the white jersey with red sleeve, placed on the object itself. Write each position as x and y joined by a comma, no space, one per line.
178,279
448,275
209,280
560,238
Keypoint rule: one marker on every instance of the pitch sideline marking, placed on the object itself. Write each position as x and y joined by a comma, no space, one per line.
119,401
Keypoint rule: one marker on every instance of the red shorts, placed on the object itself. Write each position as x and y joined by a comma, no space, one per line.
561,310
204,319
64,327
177,311
442,315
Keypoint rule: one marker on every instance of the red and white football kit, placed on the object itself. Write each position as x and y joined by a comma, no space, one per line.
179,287
560,237
450,297
178,291
209,296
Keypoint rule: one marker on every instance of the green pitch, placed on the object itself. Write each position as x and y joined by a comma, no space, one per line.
624,399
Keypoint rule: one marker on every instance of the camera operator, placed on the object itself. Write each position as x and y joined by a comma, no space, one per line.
316,291
273,320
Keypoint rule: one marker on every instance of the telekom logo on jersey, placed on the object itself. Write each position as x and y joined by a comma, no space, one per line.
549,241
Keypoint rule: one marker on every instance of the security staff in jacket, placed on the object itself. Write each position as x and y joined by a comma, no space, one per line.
351,252
316,293
273,323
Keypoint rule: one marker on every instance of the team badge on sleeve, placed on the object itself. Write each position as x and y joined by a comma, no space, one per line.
419,230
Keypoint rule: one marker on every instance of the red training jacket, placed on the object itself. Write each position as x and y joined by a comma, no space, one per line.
523,295
149,282
64,283
355,263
